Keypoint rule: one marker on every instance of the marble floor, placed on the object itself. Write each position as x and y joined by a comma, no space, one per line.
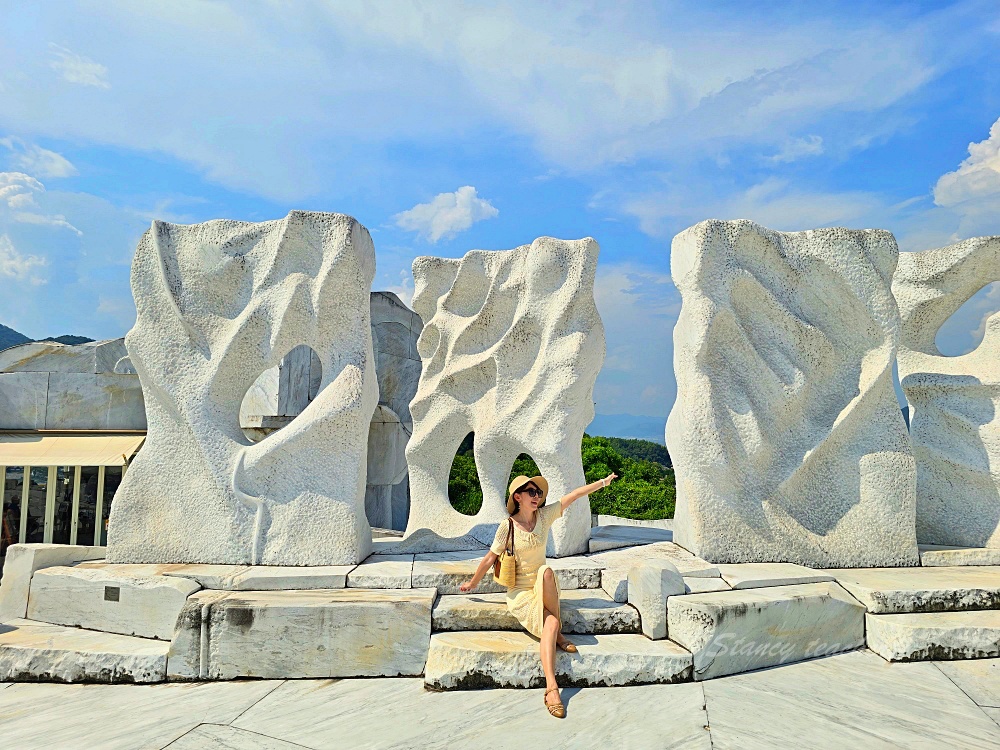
848,700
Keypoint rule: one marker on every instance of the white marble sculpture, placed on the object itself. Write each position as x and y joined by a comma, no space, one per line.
954,401
511,346
218,303
786,436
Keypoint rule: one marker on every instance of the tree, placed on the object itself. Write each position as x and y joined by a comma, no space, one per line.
644,490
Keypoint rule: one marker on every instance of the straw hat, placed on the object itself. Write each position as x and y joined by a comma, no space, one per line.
519,482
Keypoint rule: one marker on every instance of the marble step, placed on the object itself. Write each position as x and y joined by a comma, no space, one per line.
41,652
615,537
583,611
886,591
934,555
729,632
485,659
319,633
937,636
108,599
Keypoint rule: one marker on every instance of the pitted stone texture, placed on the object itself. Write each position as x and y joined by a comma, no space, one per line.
218,303
783,354
23,560
650,584
761,575
737,631
933,555
938,636
615,537
954,414
41,652
311,634
102,599
471,660
511,346
383,572
617,563
902,590
583,611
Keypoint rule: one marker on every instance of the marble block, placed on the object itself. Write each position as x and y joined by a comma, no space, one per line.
446,571
511,346
23,560
786,436
310,634
938,636
614,537
99,599
704,585
650,584
729,632
492,659
41,652
954,414
383,572
617,563
935,589
582,610
761,575
934,555
217,304
576,572
280,578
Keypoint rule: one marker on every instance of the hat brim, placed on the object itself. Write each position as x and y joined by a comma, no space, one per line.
519,482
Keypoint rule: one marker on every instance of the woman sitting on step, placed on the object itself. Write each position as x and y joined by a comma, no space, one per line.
534,597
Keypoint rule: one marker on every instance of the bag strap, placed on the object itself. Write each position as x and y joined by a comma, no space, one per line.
510,537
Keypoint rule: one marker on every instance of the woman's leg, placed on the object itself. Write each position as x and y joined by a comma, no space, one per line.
550,599
550,631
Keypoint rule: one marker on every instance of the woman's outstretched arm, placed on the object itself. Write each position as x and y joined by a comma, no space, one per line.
570,498
487,562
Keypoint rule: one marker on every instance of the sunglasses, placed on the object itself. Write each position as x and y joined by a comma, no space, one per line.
532,492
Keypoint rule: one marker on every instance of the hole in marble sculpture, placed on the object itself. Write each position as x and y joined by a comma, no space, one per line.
963,331
281,393
464,490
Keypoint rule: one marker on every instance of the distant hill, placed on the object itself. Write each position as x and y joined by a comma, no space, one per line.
641,450
9,337
629,426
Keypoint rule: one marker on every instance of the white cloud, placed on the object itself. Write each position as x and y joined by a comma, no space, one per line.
774,202
977,179
14,265
76,68
638,306
404,289
36,160
18,191
797,148
447,214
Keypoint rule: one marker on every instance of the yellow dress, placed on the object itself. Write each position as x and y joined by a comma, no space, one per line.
524,598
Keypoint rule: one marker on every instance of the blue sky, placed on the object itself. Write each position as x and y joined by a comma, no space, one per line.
445,127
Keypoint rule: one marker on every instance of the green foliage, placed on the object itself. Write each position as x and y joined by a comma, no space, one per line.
641,450
645,488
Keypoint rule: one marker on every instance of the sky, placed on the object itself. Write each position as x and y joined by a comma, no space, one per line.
445,127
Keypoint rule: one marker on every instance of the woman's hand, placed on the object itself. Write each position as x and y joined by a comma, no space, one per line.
609,478
466,587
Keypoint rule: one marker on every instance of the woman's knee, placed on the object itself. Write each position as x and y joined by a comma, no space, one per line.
549,576
551,623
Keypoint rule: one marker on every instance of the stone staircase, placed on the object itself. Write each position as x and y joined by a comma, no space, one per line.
74,619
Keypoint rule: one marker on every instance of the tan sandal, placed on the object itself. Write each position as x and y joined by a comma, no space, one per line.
556,709
567,645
